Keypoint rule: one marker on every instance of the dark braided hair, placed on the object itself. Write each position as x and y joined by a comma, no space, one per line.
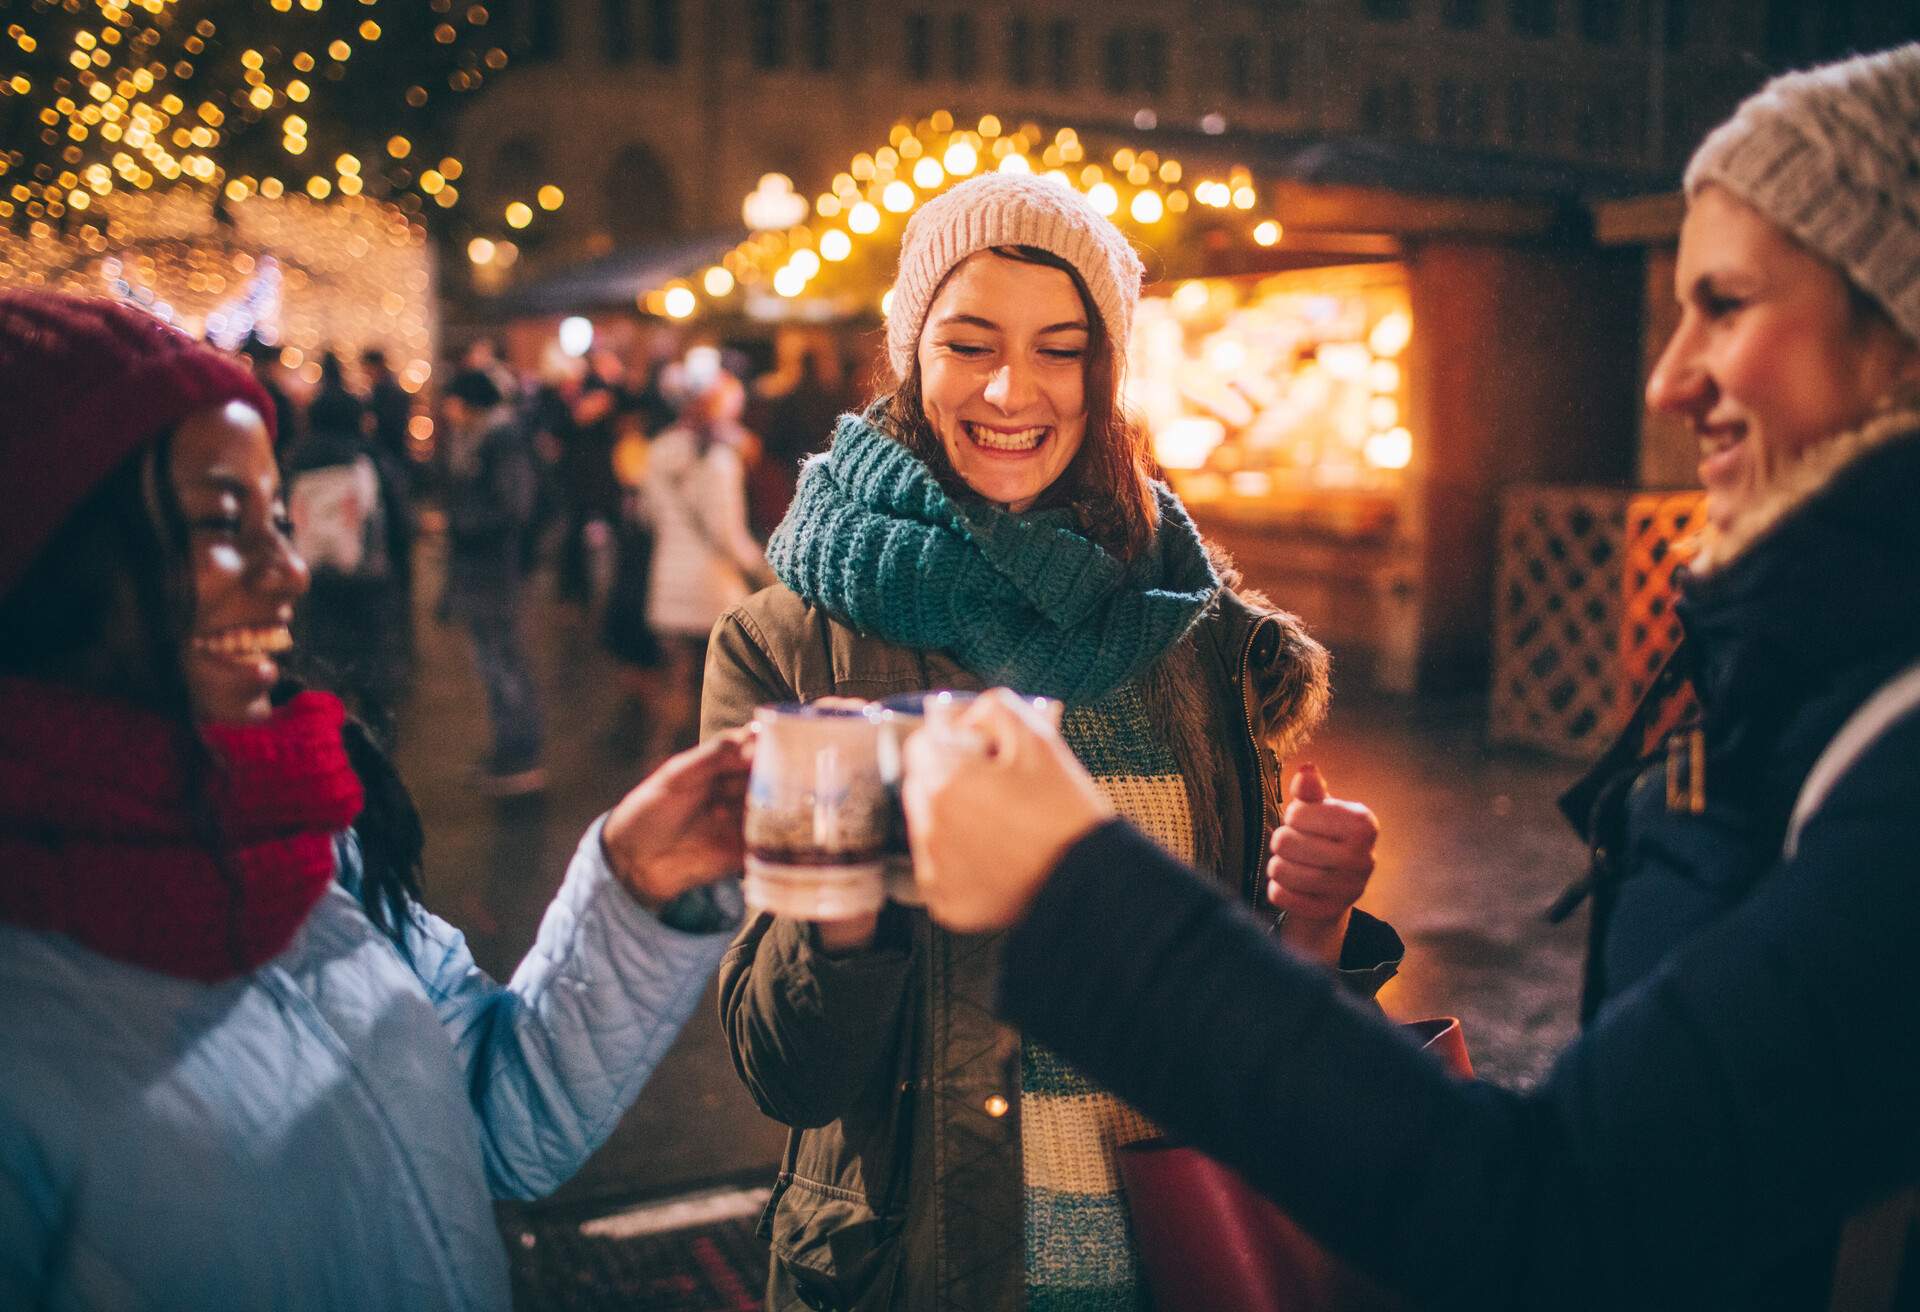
123,552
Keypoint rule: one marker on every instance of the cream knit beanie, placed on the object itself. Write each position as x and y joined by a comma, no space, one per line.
1832,156
1007,209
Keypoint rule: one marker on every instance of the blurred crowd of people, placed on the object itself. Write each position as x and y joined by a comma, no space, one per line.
645,480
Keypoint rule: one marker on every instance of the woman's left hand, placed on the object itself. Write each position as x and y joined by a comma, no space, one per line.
1322,857
683,825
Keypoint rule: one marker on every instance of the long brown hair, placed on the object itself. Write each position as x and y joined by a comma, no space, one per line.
1109,483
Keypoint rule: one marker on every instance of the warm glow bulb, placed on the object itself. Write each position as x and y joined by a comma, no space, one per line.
681,302
1104,198
898,197
1244,198
551,197
1016,164
519,214
886,302
1390,450
863,218
1266,233
480,250
1147,207
399,147
717,281
789,281
1391,335
928,174
835,245
961,159
806,261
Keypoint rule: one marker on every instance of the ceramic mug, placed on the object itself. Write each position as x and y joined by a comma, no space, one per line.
817,813
906,714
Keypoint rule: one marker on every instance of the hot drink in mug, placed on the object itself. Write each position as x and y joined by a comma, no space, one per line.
817,811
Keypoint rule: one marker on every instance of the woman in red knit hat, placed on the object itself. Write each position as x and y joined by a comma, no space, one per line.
240,1065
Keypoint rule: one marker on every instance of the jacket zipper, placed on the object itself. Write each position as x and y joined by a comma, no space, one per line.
1252,889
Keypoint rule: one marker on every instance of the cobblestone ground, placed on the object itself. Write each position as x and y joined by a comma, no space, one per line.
1471,852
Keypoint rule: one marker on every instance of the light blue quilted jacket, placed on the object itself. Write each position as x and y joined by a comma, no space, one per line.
328,1131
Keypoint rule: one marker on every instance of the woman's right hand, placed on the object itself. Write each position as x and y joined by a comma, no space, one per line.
992,805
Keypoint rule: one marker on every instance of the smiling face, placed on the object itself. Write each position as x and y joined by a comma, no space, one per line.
243,569
1003,375
1772,356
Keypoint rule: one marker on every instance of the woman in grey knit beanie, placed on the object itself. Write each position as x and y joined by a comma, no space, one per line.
1736,1128
1799,273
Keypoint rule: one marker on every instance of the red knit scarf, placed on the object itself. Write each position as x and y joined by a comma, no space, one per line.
98,839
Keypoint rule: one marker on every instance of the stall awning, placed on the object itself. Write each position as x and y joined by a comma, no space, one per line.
614,280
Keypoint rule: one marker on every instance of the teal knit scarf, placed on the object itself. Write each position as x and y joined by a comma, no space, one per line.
1021,600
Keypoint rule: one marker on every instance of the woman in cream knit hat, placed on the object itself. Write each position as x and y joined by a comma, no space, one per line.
993,519
1736,1128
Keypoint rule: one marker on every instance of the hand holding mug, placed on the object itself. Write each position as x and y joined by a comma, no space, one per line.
680,827
994,798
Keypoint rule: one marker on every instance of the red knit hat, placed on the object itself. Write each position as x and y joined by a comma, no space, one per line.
84,383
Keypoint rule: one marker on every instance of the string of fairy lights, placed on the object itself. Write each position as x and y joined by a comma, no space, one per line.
844,244
104,98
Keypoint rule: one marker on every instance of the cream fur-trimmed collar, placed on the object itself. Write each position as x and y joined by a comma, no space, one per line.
1898,419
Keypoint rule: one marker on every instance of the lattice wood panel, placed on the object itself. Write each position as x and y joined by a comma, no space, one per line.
1662,532
1557,617
1584,614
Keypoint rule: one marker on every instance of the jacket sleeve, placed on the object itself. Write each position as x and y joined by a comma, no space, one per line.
555,1057
740,675
32,1218
804,1028
1754,1090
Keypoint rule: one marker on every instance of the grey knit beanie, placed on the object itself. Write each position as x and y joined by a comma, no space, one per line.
1832,156
1010,209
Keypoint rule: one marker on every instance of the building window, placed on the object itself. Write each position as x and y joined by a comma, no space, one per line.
1517,114
1373,111
1531,17
1116,64
919,47
1679,20
1389,11
1153,61
1463,15
663,31
767,21
1279,70
1473,116
543,38
819,35
1020,52
1060,54
641,200
616,22
1547,114
1446,110
1600,21
1239,68
966,54
1387,110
